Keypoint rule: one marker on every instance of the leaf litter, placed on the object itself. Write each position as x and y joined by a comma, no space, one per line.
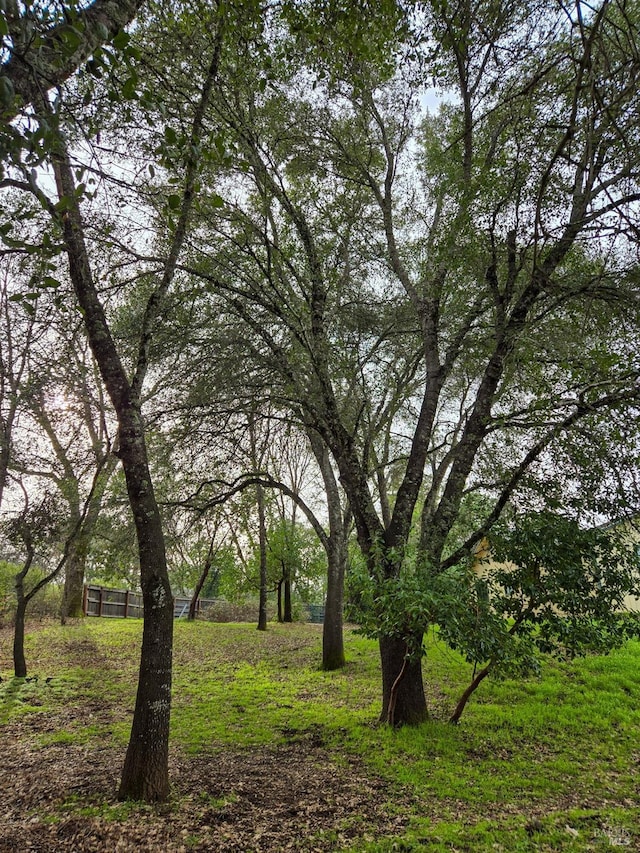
62,797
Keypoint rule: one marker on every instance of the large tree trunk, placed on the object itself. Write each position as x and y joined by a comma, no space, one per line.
403,699
146,770
336,549
145,774
74,580
332,634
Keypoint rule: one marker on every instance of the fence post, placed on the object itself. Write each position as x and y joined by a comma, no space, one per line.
100,602
85,596
126,603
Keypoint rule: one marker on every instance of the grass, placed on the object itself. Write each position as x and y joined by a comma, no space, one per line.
547,764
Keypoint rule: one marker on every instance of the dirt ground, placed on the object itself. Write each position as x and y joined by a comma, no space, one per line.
61,797
287,798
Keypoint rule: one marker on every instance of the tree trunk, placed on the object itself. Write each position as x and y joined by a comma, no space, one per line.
204,574
332,634
146,769
74,580
279,592
288,612
262,534
336,549
145,772
76,563
455,717
403,699
19,662
193,604
145,775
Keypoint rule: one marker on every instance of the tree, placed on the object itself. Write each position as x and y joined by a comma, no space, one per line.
232,424
411,288
484,259
40,530
66,403
546,585
295,562
29,529
145,774
46,44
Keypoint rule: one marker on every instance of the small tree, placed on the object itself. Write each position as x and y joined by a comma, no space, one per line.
33,526
43,529
295,561
547,586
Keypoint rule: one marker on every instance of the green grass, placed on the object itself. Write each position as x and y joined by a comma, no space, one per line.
547,764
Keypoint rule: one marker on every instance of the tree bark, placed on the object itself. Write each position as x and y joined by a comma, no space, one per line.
19,661
262,536
332,633
403,699
287,615
74,581
455,717
335,546
145,775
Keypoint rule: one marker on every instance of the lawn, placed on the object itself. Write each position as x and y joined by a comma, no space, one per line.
269,753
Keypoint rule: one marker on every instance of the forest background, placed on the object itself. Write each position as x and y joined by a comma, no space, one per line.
254,283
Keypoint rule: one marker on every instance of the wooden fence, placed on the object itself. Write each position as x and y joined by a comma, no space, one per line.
118,603
124,604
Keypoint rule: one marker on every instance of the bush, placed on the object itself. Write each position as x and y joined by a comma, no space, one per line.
221,610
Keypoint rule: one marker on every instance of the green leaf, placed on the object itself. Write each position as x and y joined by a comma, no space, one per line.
129,87
174,202
121,40
170,135
49,281
63,204
7,92
71,38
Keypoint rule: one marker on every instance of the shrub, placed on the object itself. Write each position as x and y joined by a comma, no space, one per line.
221,610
